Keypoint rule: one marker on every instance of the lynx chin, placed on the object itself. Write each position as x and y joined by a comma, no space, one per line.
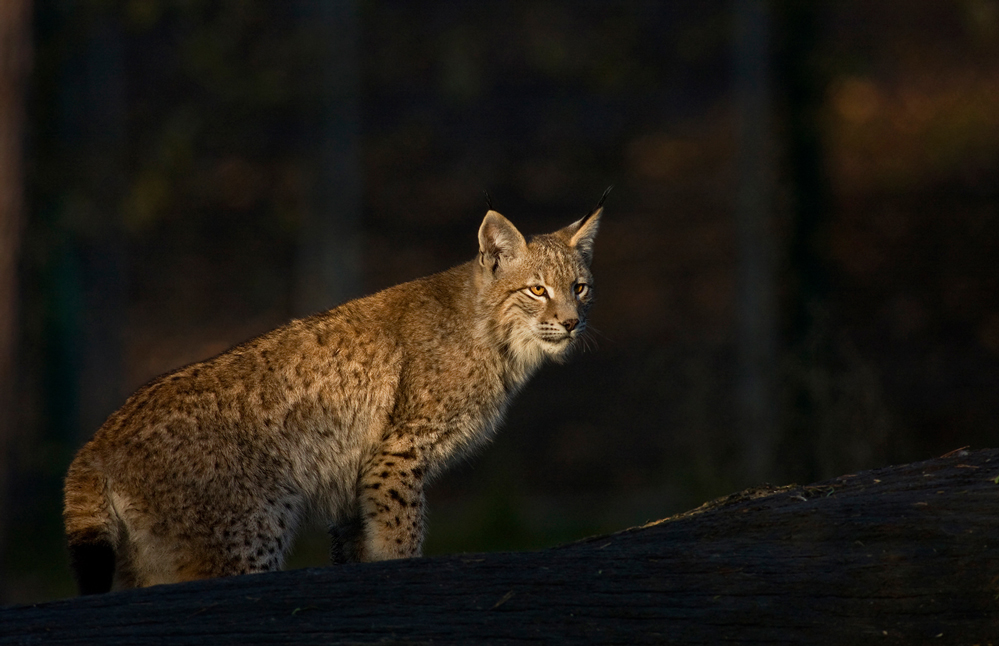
340,418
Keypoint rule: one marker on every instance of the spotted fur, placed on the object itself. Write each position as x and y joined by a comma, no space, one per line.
342,417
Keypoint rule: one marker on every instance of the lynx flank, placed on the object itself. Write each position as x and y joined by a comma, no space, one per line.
340,418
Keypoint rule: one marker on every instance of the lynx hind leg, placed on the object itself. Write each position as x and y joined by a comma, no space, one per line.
392,505
181,547
345,541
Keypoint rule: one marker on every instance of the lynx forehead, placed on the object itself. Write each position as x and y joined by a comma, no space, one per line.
339,418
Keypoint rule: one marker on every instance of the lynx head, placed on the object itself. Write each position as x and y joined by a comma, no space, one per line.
536,292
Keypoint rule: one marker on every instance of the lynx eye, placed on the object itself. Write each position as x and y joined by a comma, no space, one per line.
538,290
580,288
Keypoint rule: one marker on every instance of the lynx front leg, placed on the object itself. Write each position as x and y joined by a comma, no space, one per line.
392,503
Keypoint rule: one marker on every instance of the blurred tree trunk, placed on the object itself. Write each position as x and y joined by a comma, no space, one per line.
100,242
76,226
757,303
803,82
329,251
15,63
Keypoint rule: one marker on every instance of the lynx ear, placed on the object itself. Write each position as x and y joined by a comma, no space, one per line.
583,232
499,241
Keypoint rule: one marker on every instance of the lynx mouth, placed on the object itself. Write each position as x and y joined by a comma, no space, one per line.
558,341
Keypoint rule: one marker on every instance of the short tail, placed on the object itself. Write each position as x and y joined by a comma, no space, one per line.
91,525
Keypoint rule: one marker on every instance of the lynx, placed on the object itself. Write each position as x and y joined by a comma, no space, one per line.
341,417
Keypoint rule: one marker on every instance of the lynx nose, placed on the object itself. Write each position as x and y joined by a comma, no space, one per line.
570,324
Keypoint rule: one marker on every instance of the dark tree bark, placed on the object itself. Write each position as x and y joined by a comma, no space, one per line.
901,555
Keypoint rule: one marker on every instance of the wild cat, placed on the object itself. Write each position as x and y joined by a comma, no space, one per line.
343,417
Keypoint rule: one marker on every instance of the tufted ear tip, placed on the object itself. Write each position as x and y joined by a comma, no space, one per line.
600,204
582,233
585,235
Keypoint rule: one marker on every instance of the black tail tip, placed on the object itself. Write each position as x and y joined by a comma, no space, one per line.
93,566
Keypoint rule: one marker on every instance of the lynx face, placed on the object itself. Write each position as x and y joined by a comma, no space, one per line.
548,314
545,286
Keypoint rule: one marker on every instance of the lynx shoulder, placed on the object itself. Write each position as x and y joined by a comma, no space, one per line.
340,418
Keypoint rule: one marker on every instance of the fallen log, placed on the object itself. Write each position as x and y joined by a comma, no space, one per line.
901,555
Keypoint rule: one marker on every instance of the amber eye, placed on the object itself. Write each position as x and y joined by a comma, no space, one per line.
538,290
579,288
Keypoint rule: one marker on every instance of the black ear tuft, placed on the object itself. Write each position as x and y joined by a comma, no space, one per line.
604,196
582,232
600,205
601,202
489,200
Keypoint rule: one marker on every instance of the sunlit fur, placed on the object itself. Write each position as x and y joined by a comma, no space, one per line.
340,418
535,323
529,327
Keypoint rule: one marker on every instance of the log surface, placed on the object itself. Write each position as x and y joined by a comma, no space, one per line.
901,555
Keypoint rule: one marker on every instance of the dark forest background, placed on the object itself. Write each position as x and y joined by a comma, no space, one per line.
797,271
